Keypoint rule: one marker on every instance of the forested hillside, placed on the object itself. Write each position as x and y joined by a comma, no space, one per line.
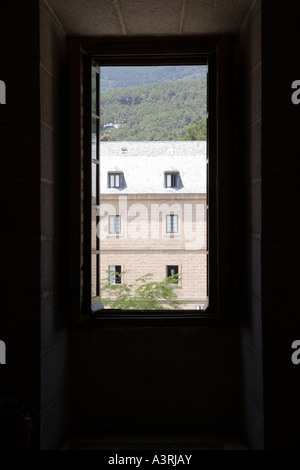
157,111
125,77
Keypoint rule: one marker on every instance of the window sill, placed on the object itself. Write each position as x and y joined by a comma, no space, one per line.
181,318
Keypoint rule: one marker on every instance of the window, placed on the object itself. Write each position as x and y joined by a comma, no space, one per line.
114,224
220,207
115,275
173,272
171,180
115,180
172,223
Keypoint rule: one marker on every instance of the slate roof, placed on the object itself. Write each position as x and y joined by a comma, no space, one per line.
144,165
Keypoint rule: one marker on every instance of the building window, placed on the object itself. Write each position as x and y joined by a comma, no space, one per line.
115,180
172,223
114,224
115,275
171,180
173,272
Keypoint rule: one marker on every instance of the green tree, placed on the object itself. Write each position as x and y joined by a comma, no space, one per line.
144,294
197,131
159,111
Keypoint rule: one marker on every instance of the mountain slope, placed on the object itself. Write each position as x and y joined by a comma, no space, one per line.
125,77
160,111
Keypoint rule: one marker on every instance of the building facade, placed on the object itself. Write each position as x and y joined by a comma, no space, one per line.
153,215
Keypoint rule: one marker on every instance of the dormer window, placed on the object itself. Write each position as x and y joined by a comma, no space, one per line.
171,179
115,180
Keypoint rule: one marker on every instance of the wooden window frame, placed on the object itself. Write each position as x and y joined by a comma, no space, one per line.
220,52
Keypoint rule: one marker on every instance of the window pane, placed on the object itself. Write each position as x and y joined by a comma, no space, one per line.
94,137
115,180
94,243
175,223
155,159
115,275
94,184
95,275
168,223
171,180
111,224
173,271
172,223
118,224
114,224
118,274
112,275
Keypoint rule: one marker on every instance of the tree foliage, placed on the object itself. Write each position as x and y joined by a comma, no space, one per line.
155,112
144,294
197,131
125,77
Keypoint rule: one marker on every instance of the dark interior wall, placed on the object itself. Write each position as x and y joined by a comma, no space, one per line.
54,231
20,203
33,260
251,316
271,322
155,380
280,167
